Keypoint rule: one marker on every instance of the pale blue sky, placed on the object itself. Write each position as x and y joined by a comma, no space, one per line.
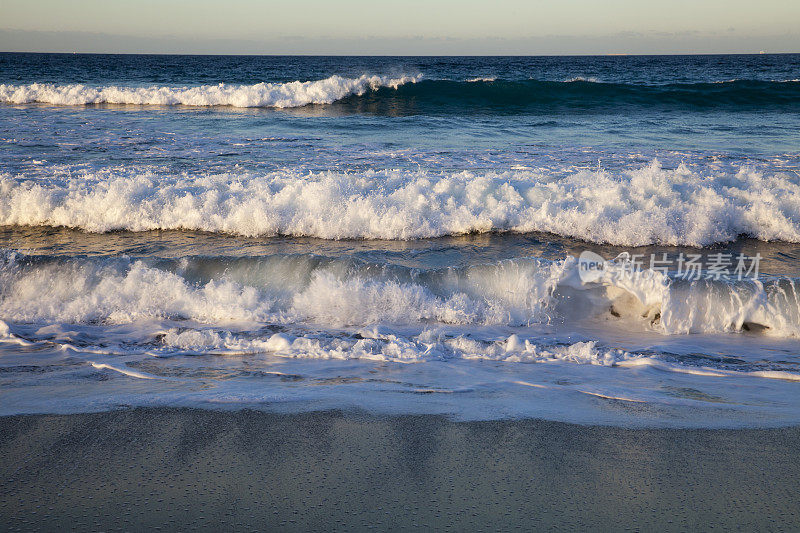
400,26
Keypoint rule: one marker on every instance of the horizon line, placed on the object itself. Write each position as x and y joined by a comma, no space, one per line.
607,54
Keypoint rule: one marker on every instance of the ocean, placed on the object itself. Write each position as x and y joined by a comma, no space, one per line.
599,240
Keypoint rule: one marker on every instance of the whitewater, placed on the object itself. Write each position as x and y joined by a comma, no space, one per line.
304,316
648,205
291,94
402,235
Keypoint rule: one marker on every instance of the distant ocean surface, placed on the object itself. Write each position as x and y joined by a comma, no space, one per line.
403,235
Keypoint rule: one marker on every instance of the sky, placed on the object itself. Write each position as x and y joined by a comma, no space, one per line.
401,27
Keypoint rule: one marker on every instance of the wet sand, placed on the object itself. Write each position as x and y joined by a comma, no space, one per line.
186,469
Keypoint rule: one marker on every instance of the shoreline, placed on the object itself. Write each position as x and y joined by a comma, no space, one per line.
183,468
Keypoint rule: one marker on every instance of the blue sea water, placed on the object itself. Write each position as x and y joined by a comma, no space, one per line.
401,234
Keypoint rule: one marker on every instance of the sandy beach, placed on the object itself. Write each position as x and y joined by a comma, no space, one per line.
185,469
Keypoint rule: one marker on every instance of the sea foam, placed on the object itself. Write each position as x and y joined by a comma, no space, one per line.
280,95
333,294
693,206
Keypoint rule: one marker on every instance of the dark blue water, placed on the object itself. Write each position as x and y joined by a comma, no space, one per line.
744,103
198,70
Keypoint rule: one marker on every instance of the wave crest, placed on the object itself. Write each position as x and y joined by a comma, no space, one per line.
279,95
649,205
403,94
334,293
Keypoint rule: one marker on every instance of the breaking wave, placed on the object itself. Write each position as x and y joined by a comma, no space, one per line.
649,205
280,95
412,94
337,293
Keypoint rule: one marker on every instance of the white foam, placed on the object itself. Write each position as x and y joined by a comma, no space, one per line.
304,328
679,307
589,79
8,338
85,292
380,344
280,95
681,206
117,292
632,362
338,294
702,306
482,79
124,370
